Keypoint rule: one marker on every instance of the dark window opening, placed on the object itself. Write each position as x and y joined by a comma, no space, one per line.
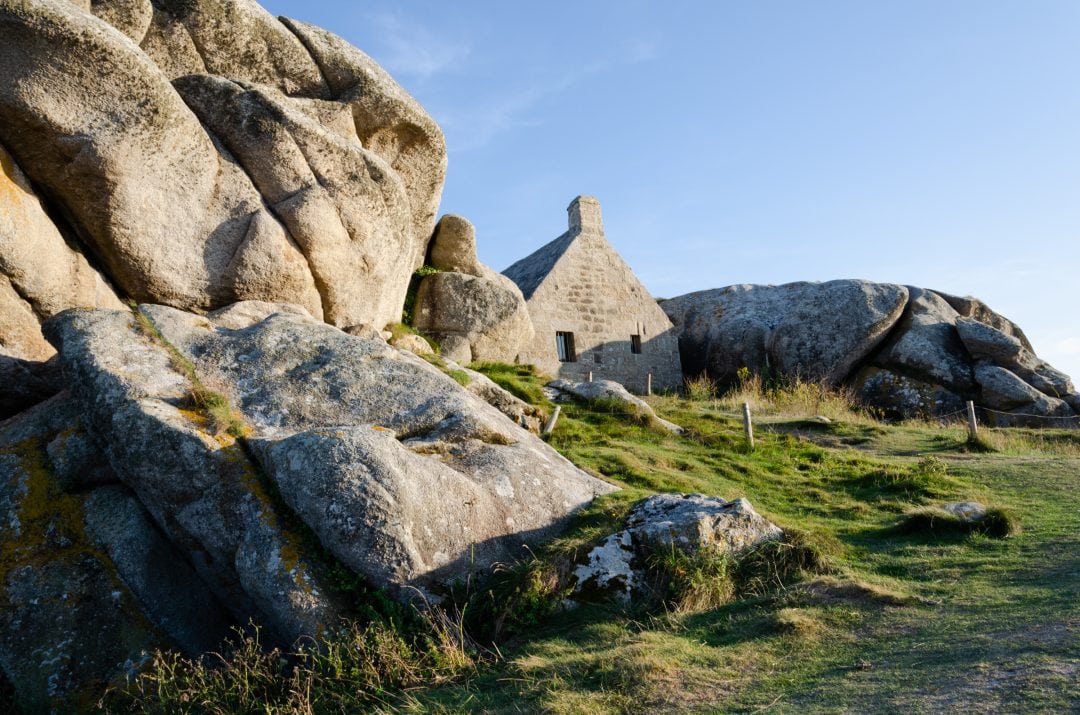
635,344
564,345
596,358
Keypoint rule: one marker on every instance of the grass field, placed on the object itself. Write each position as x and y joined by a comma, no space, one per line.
899,622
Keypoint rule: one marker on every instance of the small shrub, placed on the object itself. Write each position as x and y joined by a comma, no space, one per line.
931,466
700,388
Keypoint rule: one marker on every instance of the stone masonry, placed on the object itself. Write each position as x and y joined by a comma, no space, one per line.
580,292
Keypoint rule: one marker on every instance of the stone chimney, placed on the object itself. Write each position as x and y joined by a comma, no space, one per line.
585,215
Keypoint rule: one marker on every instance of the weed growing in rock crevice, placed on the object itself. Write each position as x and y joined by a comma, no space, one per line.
215,406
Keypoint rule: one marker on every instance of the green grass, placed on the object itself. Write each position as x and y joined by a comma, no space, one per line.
849,614
522,381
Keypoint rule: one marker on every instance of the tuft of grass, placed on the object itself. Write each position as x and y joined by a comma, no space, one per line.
459,376
980,443
793,396
798,622
775,565
691,582
694,582
355,668
934,521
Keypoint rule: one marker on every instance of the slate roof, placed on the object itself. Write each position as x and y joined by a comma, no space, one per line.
531,270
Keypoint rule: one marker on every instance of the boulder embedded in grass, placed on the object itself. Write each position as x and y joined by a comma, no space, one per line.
611,392
669,523
960,518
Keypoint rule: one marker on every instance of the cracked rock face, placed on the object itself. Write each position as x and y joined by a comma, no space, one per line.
617,568
203,152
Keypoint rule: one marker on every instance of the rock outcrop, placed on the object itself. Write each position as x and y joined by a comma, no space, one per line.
40,273
202,153
337,443
911,352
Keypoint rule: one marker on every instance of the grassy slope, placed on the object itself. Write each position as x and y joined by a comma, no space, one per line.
988,625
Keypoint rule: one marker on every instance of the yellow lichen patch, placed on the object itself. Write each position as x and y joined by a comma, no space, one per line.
48,518
291,547
195,417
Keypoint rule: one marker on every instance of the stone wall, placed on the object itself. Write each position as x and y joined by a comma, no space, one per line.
588,290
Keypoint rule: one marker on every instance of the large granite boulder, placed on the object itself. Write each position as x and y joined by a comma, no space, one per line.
41,274
611,392
906,351
133,519
926,346
24,383
304,174
818,331
453,246
474,318
475,313
897,396
343,205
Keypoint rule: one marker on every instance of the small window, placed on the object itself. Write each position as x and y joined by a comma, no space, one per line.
597,358
635,344
564,345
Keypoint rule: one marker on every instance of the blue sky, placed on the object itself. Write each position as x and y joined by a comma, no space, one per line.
927,143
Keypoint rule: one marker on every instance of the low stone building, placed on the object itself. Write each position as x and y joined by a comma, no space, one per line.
590,312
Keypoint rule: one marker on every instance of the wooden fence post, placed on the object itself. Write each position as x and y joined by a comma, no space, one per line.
973,425
549,426
748,426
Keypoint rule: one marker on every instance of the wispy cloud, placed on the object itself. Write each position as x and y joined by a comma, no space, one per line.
480,123
410,49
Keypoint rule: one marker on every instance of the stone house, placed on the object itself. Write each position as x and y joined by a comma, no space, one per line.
590,312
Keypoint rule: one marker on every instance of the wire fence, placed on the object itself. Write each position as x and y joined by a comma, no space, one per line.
991,418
